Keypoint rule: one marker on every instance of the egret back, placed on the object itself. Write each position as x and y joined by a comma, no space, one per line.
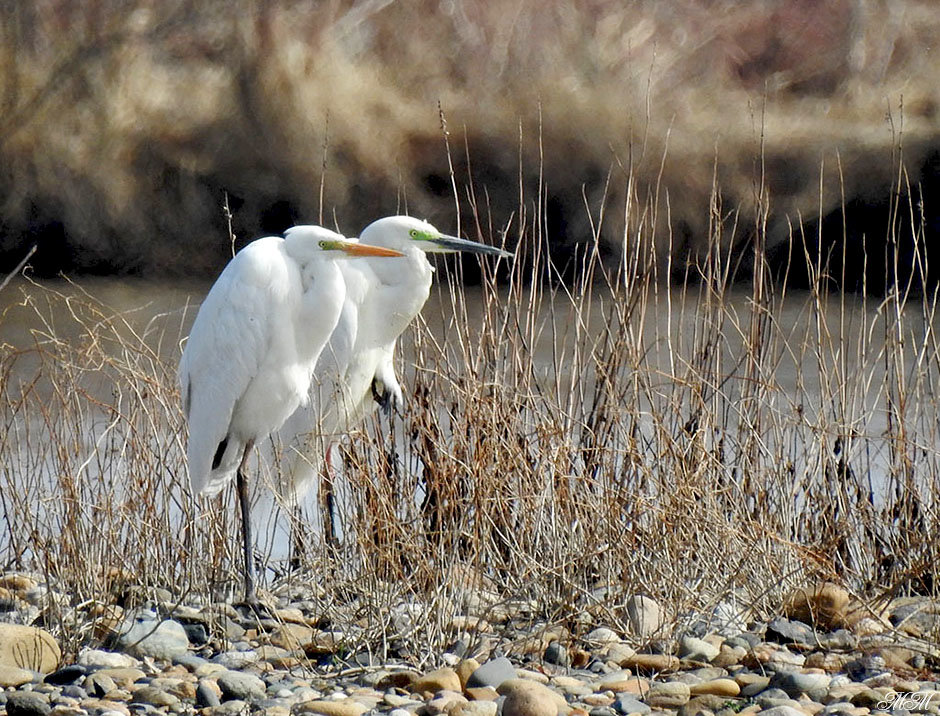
250,356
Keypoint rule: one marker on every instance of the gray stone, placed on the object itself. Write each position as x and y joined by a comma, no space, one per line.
556,654
206,696
629,704
66,675
241,686
154,697
772,697
27,703
492,673
783,710
697,649
866,667
236,659
645,615
98,684
106,659
143,634
790,631
795,683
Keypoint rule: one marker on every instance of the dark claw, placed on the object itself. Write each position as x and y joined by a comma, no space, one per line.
383,399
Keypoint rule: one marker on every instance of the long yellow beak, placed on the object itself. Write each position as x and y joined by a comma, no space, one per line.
357,249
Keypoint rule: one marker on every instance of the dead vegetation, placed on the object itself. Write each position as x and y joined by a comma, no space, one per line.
564,447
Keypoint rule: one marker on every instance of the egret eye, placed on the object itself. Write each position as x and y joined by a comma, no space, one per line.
322,244
413,233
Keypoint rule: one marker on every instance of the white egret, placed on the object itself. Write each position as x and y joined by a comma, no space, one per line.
358,362
252,351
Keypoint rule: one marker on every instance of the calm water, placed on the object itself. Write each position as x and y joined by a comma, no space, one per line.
847,336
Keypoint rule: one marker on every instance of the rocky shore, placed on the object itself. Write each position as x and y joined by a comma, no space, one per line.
821,656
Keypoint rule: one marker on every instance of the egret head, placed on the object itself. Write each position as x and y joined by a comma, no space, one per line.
401,232
305,239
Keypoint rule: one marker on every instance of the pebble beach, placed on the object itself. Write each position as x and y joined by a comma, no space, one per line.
219,659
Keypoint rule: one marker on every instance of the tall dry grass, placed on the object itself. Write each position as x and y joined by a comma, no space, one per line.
564,445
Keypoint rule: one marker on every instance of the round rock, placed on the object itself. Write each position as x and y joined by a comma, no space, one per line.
241,686
527,698
668,695
144,635
493,673
27,703
696,649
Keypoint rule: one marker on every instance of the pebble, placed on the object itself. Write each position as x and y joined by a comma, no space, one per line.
346,707
716,687
644,615
627,704
696,649
28,647
527,698
492,673
241,686
144,634
506,665
445,679
27,703
13,676
668,695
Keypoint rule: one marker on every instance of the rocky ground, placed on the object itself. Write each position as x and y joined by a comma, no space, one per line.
824,657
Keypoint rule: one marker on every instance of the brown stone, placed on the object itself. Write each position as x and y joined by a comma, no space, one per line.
465,668
398,680
481,693
823,605
623,682
346,707
668,695
527,698
445,679
474,708
30,648
14,676
651,663
123,676
291,636
716,687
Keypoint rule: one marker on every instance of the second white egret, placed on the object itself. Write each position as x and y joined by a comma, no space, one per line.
358,362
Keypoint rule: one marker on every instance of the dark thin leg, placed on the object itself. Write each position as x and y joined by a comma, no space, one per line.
298,538
241,483
327,499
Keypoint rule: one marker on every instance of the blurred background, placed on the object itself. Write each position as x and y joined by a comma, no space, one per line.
124,124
